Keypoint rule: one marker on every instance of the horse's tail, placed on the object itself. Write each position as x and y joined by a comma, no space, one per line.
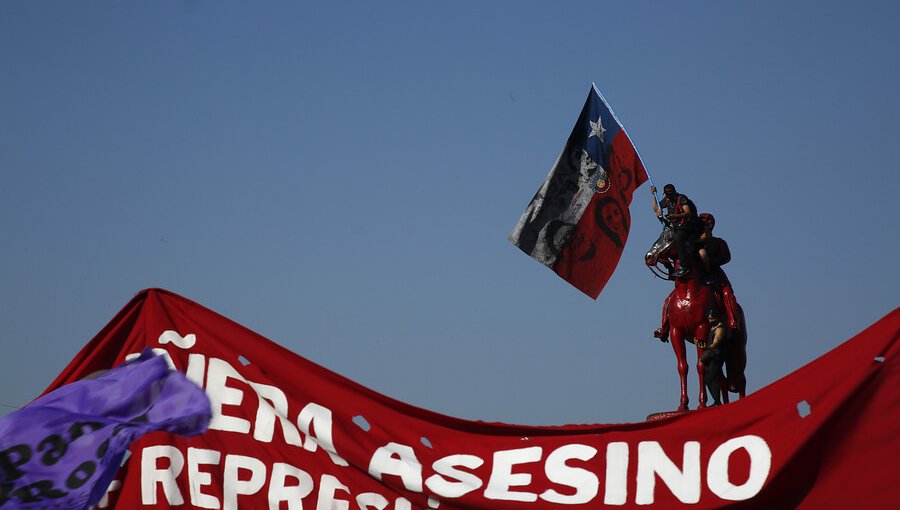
736,363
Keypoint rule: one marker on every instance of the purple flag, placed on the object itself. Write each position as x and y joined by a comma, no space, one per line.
62,450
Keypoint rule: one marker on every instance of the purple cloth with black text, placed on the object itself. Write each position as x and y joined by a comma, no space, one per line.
62,450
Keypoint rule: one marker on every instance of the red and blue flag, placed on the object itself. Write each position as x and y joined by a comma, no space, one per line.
578,221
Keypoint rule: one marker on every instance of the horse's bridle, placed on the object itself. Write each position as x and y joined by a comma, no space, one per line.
663,273
659,270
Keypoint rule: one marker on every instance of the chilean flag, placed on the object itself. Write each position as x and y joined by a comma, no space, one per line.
578,221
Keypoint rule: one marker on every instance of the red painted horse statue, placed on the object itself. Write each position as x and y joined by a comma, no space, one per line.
684,312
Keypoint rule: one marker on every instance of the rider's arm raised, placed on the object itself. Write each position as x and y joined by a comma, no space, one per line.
656,208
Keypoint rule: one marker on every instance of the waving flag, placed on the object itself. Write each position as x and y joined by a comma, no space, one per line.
63,450
578,221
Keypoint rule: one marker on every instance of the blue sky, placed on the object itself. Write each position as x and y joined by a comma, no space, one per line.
342,177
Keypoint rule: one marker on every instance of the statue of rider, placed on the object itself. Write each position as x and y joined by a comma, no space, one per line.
714,254
682,214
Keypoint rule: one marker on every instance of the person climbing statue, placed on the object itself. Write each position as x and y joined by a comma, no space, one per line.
713,356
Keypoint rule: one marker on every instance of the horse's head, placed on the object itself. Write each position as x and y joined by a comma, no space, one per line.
662,251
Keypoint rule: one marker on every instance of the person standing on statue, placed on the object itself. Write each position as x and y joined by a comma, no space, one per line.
714,254
713,356
682,214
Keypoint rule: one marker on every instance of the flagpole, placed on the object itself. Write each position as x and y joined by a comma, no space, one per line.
649,177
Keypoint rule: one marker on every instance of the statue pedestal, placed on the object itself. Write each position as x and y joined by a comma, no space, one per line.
664,415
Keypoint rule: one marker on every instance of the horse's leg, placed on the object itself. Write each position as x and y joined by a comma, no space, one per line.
664,325
732,309
736,363
663,332
724,381
700,369
741,382
677,340
700,334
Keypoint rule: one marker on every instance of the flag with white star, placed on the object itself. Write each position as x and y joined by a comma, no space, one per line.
578,221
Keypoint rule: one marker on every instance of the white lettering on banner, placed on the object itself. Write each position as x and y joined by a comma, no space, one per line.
220,395
399,460
196,368
313,420
502,477
446,467
368,500
151,474
244,477
572,469
197,478
760,464
327,487
684,483
161,467
234,485
272,405
616,488
292,494
585,483
185,342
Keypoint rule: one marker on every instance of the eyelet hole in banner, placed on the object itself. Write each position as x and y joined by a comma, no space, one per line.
804,409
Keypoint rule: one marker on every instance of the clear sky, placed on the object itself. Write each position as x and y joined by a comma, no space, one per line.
341,178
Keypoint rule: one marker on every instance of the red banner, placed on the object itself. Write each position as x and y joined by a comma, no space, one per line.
289,434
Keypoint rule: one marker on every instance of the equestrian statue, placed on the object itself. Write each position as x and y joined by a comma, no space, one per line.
702,308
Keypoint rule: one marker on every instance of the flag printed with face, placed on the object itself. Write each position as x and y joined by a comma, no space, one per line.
578,221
